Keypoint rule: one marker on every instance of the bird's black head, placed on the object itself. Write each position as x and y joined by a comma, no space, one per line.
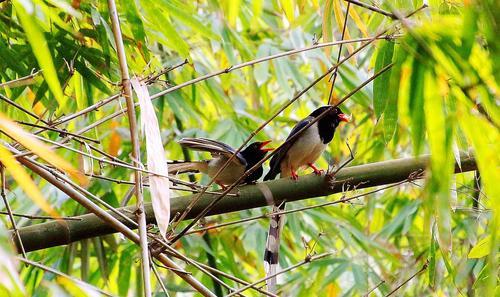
329,122
253,153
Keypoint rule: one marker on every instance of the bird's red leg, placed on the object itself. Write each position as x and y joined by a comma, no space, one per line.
316,170
295,176
221,185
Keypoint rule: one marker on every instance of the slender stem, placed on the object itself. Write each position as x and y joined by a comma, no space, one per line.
126,182
374,288
335,73
59,273
191,262
158,278
22,81
233,278
9,211
32,217
119,164
307,260
62,132
136,153
22,109
372,8
86,110
426,264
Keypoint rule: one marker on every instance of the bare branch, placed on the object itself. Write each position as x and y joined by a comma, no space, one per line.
9,211
307,260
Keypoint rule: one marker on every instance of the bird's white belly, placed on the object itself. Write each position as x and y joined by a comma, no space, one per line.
307,149
229,175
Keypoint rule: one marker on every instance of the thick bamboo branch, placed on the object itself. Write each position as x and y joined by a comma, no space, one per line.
51,234
136,152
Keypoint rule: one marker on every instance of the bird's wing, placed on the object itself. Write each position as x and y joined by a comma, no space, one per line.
215,147
280,155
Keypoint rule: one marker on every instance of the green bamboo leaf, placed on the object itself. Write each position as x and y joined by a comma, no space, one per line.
481,249
432,261
124,271
391,109
382,83
327,24
40,49
288,8
440,132
233,12
136,25
416,105
158,17
183,13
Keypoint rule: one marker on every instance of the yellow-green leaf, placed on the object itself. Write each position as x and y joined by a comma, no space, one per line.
288,7
24,181
481,249
40,49
28,141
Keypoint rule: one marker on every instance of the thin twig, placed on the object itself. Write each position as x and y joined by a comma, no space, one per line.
126,182
86,110
158,277
374,288
372,8
233,278
9,211
22,81
333,78
166,70
23,109
426,264
191,262
59,273
33,217
307,260
61,132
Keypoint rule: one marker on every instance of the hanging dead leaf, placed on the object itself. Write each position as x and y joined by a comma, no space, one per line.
158,185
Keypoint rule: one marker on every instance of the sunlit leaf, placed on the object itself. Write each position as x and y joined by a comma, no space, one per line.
39,46
416,105
381,85
40,149
25,182
481,249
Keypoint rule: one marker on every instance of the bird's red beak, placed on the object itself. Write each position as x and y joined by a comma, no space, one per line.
344,118
265,149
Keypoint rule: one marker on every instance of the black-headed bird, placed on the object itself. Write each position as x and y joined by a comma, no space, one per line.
302,151
221,152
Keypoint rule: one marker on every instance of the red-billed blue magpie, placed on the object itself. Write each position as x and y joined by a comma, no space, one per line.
302,151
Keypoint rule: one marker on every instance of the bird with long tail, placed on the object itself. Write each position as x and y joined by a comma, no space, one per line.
221,152
299,152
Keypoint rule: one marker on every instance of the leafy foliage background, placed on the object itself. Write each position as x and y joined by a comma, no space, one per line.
440,97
